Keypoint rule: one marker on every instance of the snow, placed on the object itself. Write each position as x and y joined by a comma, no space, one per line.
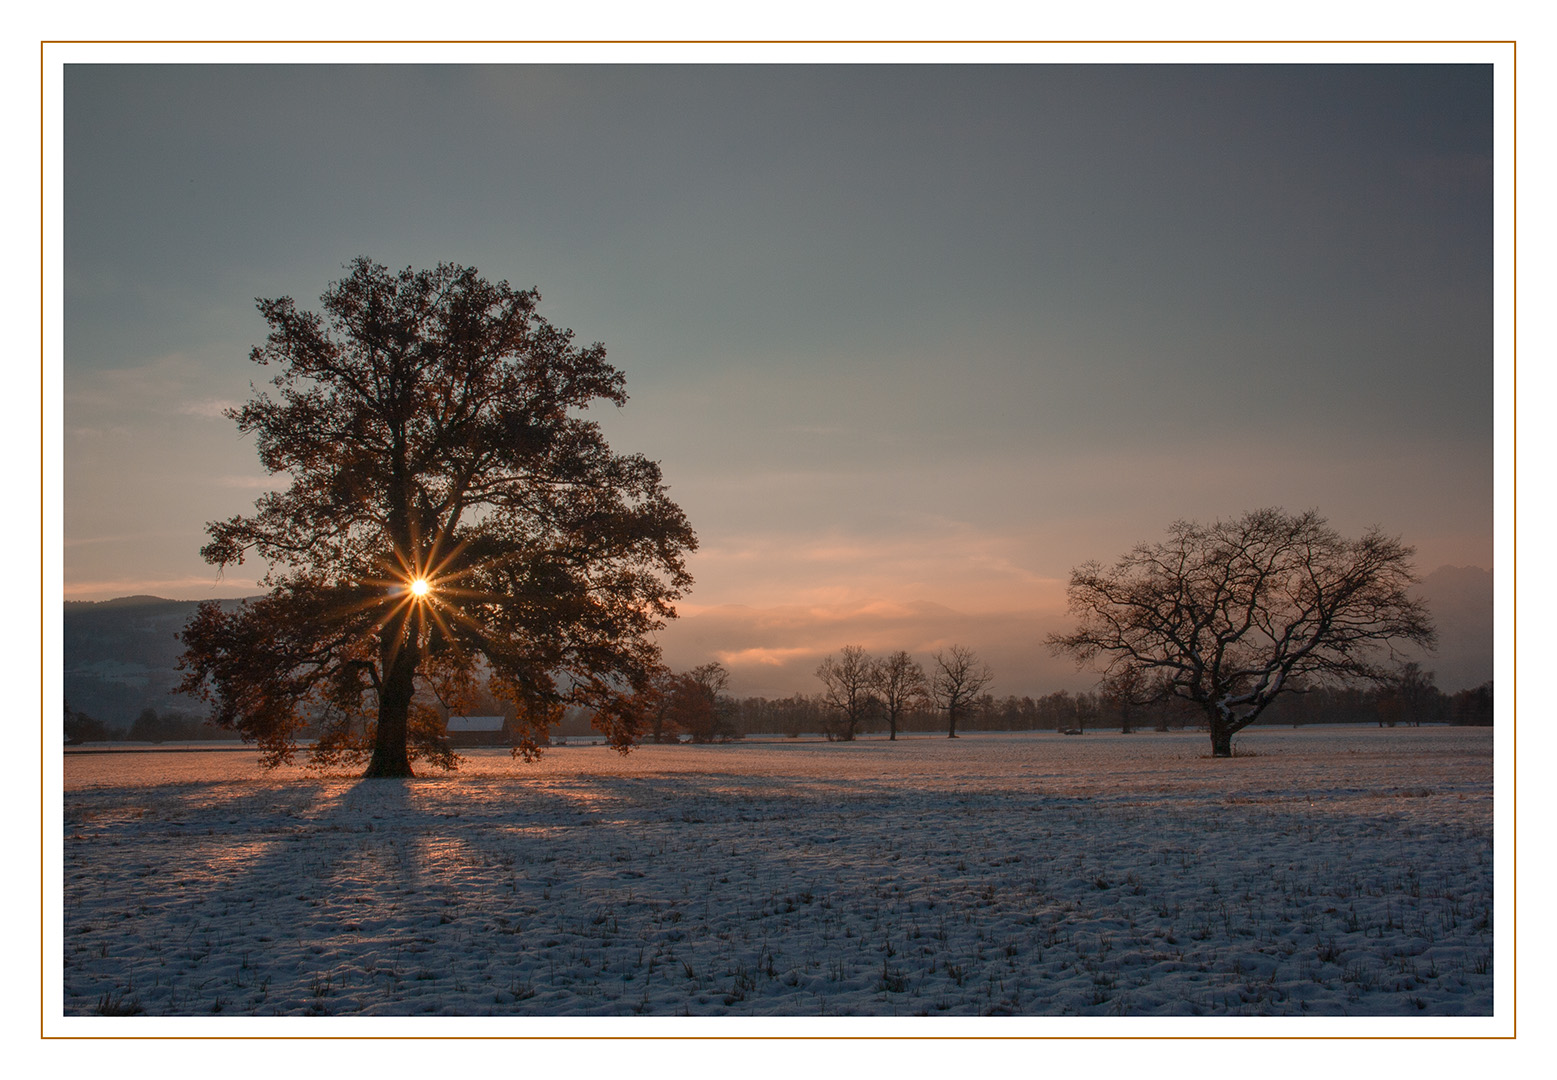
1331,872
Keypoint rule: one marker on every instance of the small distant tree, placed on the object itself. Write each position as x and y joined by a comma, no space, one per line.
652,701
1056,710
80,728
1026,713
1473,707
700,706
796,714
712,677
690,703
847,688
1125,692
1410,696
1088,709
986,712
899,684
1231,615
956,683
691,709
148,727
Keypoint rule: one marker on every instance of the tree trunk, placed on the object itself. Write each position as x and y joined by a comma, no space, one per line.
1221,741
951,723
394,708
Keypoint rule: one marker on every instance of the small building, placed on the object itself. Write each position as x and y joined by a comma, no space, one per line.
477,731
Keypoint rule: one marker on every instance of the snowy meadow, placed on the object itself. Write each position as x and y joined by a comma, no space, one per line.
1324,872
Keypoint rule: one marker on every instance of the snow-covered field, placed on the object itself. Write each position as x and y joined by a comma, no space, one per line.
1333,871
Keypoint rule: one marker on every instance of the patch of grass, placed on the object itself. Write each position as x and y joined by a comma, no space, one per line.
118,1004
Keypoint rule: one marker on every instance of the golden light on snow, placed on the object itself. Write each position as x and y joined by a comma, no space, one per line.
420,587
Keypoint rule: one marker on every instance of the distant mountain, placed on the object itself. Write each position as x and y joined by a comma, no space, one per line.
122,656
1460,599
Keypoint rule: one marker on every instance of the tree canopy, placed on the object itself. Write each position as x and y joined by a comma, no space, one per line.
449,519
1233,614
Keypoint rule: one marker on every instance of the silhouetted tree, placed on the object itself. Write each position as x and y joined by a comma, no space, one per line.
80,728
847,685
148,727
1012,713
1125,692
712,677
899,683
788,716
448,515
1473,707
1057,710
171,725
1409,696
959,678
1231,615
653,700
698,705
1087,710
690,709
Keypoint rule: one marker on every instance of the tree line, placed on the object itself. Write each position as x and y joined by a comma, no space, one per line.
858,688
170,725
893,694
694,707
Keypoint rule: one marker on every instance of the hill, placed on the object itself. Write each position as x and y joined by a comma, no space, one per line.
122,656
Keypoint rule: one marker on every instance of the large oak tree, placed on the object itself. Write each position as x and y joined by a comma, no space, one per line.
1233,614
449,519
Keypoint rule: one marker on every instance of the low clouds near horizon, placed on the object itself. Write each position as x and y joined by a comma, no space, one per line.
774,652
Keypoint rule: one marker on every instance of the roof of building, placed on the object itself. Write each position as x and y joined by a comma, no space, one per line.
475,723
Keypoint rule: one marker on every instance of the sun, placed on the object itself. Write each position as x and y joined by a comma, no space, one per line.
420,587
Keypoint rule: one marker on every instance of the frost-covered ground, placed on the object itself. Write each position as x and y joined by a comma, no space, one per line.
1338,871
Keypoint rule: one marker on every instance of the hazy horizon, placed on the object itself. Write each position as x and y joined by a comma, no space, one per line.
910,342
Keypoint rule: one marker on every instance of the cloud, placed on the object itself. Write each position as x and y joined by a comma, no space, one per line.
168,385
761,657
949,561
120,538
774,651
208,587
211,408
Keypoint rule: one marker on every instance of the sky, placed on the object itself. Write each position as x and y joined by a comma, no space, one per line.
909,342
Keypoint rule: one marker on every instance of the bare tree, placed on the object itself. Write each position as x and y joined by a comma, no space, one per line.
713,677
711,680
847,684
900,685
1409,695
1125,691
1231,615
1473,707
960,676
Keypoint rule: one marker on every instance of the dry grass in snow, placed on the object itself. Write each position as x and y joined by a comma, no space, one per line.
1332,872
